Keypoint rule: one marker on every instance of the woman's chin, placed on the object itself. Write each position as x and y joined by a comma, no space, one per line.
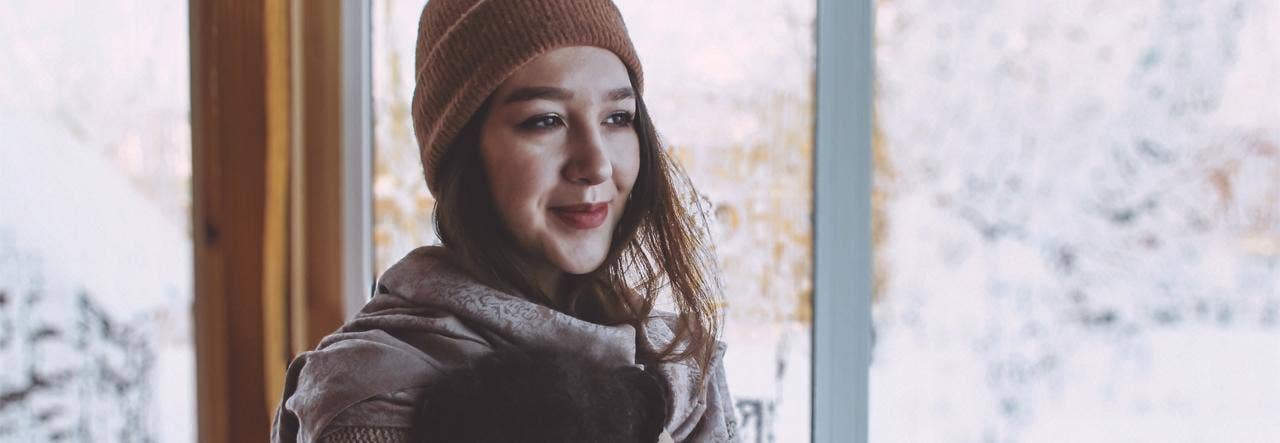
579,262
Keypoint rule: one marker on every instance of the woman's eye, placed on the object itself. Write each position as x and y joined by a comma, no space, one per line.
619,119
541,122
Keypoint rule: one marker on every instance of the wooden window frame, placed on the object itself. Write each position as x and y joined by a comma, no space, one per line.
232,133
280,195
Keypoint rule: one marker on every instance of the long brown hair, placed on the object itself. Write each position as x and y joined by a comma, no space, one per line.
660,244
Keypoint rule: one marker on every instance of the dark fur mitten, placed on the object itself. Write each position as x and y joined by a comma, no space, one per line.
518,397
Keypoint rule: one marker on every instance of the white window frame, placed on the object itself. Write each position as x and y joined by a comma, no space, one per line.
357,155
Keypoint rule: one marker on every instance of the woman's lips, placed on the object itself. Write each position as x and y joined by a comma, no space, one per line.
583,216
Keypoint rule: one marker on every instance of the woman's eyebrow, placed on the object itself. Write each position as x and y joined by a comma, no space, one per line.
539,92
561,94
621,94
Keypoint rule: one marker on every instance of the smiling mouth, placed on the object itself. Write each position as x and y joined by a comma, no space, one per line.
584,216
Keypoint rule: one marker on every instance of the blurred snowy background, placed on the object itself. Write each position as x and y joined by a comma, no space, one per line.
1078,221
95,255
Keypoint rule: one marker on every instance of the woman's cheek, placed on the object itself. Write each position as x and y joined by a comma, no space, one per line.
629,168
526,174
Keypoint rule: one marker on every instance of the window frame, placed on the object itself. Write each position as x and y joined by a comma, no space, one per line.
842,247
277,94
357,154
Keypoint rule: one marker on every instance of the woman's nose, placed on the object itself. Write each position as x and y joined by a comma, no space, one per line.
589,162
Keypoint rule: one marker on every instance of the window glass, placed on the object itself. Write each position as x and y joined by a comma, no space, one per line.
95,253
401,202
1077,221
731,92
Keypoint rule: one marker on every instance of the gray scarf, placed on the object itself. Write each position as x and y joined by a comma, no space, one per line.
429,318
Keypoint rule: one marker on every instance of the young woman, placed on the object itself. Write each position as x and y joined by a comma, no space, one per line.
561,221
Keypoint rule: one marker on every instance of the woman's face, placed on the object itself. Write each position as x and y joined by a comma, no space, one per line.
561,154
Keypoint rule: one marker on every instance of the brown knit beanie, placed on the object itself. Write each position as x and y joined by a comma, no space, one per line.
466,48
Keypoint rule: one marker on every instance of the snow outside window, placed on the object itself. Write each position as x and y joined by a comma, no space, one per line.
1077,221
95,254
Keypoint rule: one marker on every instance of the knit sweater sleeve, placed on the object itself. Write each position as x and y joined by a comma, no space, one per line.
366,434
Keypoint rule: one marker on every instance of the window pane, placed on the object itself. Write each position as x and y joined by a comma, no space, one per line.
731,90
1078,221
401,202
95,253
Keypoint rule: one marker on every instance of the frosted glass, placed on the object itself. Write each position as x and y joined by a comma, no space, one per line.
1078,221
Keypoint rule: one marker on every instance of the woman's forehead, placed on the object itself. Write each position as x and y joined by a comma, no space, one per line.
568,73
